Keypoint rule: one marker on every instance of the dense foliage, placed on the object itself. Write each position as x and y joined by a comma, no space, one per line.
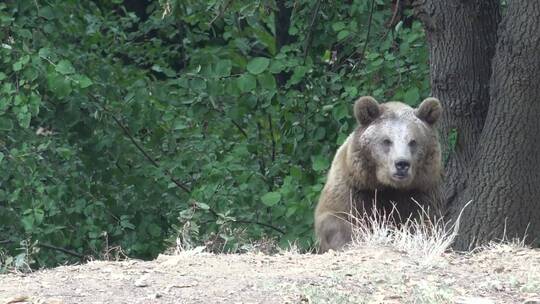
131,124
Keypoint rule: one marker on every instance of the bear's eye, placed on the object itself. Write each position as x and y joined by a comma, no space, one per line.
387,142
413,143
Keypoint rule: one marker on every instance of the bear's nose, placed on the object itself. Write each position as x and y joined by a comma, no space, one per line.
402,165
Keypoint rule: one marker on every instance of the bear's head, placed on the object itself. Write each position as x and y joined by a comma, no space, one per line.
399,143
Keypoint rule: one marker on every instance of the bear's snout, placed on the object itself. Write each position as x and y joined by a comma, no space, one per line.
402,168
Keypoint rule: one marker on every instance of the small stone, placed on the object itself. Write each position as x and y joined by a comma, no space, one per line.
474,300
499,269
155,296
141,282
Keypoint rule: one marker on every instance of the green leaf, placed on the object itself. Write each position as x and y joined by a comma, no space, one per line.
267,39
39,214
277,66
59,85
327,56
298,75
246,83
352,91
320,163
33,103
343,34
258,65
126,224
17,66
45,53
154,230
271,198
64,67
28,223
180,124
223,68
23,117
340,111
267,81
6,124
46,12
338,26
198,84
412,96
83,81
202,205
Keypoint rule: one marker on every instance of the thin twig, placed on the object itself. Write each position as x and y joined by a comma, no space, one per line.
67,251
221,12
272,136
262,163
367,38
260,224
147,156
393,21
397,11
141,149
49,246
236,124
310,32
239,128
368,29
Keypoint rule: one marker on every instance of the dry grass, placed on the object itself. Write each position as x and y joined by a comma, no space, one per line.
423,237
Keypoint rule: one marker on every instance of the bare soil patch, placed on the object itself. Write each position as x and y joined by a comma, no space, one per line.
502,274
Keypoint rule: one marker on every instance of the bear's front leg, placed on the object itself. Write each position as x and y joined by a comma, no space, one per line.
334,231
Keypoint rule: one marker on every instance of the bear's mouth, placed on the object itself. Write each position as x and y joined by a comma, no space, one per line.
400,175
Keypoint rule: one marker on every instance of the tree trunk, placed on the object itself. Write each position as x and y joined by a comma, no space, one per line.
486,165
505,184
462,37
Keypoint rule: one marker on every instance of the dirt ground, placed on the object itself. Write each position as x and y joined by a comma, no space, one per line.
502,274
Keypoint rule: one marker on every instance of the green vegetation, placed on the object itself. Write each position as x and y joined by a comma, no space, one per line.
208,121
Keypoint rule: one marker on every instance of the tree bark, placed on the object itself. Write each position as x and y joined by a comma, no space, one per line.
505,183
282,22
496,159
462,37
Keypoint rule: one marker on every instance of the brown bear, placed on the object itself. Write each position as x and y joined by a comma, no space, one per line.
391,160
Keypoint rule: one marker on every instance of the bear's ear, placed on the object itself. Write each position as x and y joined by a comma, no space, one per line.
366,110
429,110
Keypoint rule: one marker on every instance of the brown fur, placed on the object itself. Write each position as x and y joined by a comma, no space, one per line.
352,180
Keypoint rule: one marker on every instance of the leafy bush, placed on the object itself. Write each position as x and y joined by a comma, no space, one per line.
129,125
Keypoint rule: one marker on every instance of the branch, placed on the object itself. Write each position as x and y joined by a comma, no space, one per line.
336,66
396,15
309,35
272,136
236,124
368,29
239,128
221,12
140,148
147,156
48,246
260,224
67,251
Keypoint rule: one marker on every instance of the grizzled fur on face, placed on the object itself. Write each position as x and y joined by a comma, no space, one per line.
397,142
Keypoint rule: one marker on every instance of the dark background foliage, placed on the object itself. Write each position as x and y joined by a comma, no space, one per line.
138,124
